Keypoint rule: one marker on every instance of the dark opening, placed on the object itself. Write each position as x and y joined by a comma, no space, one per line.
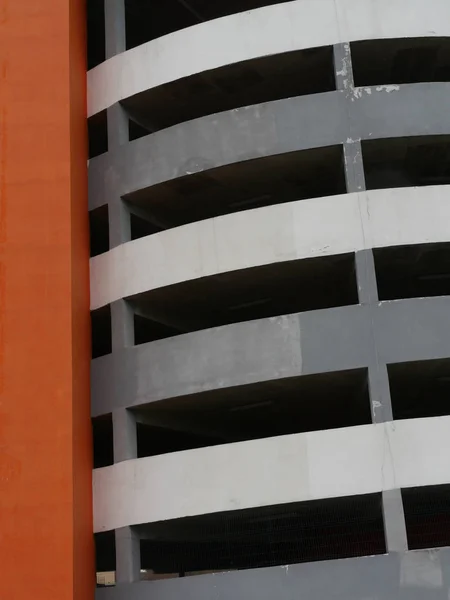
413,271
406,162
105,558
276,289
267,409
99,230
240,84
95,32
420,389
402,60
98,134
101,331
136,131
141,227
243,186
427,516
147,329
264,537
102,431
147,21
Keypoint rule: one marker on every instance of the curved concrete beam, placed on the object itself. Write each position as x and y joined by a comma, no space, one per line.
292,231
261,32
414,575
268,129
312,342
292,468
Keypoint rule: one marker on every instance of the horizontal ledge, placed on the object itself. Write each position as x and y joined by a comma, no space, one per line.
293,468
424,573
292,231
308,343
281,126
260,32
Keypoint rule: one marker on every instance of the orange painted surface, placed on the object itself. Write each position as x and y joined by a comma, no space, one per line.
46,545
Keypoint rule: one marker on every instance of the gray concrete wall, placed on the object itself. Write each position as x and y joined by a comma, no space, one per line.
286,346
344,116
422,575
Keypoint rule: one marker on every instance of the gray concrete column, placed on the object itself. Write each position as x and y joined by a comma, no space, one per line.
119,215
381,407
124,422
119,222
115,33
117,119
366,277
122,325
380,400
380,395
394,521
343,70
128,555
353,164
124,435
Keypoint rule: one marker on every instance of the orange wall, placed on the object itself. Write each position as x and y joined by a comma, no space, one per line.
46,547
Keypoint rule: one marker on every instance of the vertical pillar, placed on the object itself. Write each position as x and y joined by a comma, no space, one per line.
380,396
119,222
122,325
353,163
128,555
366,277
117,120
124,422
394,521
380,400
115,43
343,70
119,215
115,32
124,435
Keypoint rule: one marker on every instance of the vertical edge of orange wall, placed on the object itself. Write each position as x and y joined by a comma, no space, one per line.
84,559
46,541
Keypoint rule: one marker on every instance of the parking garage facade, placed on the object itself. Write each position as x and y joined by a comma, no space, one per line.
269,206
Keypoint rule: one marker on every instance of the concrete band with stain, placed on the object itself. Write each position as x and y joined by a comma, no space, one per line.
260,32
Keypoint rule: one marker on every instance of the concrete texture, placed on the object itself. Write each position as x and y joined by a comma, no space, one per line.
260,32
127,555
383,456
419,575
125,442
319,120
301,344
115,42
394,521
292,468
273,234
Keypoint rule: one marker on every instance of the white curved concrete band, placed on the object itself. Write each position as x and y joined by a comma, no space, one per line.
292,231
261,32
293,468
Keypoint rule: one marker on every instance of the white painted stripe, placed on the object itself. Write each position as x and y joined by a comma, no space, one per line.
261,32
293,468
296,230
